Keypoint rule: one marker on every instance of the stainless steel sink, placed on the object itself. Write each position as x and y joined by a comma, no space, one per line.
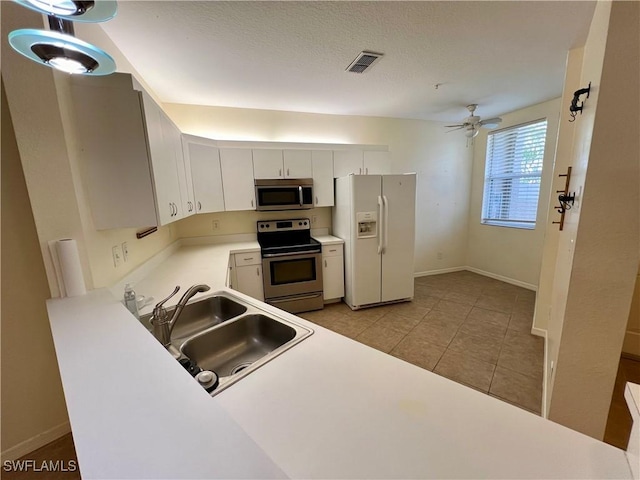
201,315
231,336
237,345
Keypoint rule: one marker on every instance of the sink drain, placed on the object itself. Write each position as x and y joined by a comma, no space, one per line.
238,368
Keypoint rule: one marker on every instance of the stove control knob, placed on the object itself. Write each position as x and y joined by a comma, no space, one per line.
300,224
305,223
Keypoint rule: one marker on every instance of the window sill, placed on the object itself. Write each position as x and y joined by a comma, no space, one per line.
521,226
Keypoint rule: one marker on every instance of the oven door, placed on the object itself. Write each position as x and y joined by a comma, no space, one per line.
291,274
284,197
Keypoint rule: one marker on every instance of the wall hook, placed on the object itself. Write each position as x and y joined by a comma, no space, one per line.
565,198
574,108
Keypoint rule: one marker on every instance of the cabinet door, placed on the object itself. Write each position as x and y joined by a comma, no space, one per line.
377,163
173,138
163,162
207,177
237,179
249,281
346,162
297,164
322,173
267,164
333,276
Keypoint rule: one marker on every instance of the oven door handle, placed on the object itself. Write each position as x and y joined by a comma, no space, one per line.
300,194
296,297
290,254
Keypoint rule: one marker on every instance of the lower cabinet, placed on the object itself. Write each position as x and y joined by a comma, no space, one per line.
246,274
333,271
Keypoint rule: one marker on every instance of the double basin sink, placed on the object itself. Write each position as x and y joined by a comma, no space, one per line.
230,337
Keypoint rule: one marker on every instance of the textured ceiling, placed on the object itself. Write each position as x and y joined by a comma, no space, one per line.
290,55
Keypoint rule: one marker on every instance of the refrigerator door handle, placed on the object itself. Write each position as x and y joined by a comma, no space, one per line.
380,210
385,200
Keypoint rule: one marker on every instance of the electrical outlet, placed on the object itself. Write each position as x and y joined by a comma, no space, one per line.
440,255
216,224
116,252
125,251
314,219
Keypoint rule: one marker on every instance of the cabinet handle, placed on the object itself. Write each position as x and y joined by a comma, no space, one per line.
325,264
251,203
366,171
360,170
287,172
199,205
280,172
332,250
317,200
247,259
258,271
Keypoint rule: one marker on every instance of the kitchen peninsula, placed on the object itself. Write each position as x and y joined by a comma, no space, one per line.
327,408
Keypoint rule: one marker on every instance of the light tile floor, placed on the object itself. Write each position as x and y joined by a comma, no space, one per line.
469,328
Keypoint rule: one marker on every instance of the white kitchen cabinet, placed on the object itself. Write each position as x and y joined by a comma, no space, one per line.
358,162
376,163
204,160
297,164
246,275
333,271
236,165
130,152
346,162
267,164
322,174
275,163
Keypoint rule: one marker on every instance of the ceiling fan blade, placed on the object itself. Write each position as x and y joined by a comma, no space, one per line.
491,122
459,125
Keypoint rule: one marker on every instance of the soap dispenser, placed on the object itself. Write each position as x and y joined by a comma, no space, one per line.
130,300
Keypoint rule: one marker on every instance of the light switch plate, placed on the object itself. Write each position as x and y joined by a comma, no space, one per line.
116,252
125,251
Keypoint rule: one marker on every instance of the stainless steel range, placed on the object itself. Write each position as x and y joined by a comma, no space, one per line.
291,265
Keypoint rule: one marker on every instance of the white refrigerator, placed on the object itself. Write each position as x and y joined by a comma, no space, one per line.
375,216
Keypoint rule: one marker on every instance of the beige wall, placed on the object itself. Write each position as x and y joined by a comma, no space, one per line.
563,159
442,163
513,253
597,260
32,399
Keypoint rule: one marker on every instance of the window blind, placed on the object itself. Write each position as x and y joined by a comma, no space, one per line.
512,175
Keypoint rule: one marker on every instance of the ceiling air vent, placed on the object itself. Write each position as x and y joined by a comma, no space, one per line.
363,61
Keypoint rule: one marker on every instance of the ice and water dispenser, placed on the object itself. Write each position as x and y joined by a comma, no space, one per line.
367,224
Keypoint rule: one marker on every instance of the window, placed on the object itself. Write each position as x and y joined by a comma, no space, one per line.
512,176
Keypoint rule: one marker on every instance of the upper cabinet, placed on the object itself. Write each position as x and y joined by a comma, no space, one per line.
273,163
203,157
130,152
322,174
358,162
237,179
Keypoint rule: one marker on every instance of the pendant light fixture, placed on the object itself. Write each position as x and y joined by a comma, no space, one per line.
58,47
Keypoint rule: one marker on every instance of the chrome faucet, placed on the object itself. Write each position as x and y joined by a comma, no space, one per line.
162,324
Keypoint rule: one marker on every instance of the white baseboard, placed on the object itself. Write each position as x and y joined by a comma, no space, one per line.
543,333
539,332
512,281
439,272
33,443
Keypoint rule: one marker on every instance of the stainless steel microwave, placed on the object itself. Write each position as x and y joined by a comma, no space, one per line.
284,194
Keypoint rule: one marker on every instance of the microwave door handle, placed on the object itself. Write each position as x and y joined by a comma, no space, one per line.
380,209
300,194
386,223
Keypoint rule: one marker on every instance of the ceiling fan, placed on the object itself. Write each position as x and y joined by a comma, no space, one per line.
473,123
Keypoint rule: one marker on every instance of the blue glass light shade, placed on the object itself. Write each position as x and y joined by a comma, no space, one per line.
61,51
76,11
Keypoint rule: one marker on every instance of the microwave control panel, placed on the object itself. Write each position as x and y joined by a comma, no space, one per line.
367,224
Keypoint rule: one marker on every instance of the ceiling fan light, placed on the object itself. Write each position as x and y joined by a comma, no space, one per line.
61,51
77,10
471,132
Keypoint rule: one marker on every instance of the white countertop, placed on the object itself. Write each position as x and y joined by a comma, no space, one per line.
328,239
327,408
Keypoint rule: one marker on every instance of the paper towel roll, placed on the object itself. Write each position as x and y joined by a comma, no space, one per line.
71,268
